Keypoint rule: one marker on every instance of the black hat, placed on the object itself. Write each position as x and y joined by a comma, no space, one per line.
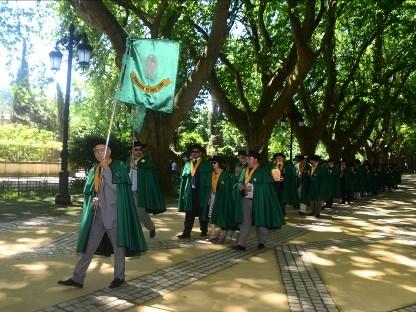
94,141
315,157
216,158
138,143
299,157
278,154
197,146
254,154
241,153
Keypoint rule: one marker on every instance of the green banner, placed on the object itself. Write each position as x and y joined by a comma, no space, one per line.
136,118
148,74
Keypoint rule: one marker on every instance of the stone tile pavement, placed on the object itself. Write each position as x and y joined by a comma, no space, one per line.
304,287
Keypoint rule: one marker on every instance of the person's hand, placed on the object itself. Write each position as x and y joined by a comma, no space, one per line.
248,188
242,187
104,164
95,201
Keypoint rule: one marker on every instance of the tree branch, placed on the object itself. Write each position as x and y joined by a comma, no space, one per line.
96,14
219,31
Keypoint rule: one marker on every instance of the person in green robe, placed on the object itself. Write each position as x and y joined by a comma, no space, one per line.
319,187
258,203
195,190
221,209
303,170
146,193
345,179
334,183
240,164
355,180
109,222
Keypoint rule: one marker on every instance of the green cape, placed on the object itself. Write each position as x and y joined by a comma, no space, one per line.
129,230
320,184
185,192
306,181
223,213
266,208
148,188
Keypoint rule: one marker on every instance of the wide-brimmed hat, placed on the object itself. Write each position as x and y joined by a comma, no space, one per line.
138,143
254,154
197,146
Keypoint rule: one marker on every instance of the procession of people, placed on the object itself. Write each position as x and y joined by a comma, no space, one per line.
226,194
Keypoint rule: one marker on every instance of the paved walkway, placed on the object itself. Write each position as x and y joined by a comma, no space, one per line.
301,249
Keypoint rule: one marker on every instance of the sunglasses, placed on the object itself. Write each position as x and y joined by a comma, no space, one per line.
213,162
196,151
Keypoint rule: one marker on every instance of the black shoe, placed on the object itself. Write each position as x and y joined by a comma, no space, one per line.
301,213
183,236
152,233
318,216
70,282
260,246
117,282
239,248
203,234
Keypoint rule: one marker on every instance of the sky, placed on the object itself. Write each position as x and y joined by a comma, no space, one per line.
39,55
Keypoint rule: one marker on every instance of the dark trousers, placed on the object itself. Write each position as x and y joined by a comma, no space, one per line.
195,212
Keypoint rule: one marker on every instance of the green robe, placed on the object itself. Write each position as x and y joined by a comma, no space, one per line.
148,189
185,193
305,183
129,230
223,213
320,184
335,182
290,192
266,208
355,180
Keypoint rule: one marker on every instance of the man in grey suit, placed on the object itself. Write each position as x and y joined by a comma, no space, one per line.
100,223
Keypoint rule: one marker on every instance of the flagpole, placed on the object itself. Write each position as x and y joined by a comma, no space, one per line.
109,127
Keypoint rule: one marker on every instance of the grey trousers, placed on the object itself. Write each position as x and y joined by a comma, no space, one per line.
143,216
245,227
96,234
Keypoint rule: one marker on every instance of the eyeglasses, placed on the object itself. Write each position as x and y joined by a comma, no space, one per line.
195,151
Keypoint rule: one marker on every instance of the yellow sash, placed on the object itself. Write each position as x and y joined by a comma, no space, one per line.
97,176
195,166
314,168
214,180
247,176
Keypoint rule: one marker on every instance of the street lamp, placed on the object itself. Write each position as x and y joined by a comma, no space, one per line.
283,123
84,55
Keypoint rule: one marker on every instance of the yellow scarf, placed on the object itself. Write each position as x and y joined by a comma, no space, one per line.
97,175
314,168
247,176
195,166
214,180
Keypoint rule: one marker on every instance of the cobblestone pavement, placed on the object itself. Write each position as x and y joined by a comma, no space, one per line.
304,287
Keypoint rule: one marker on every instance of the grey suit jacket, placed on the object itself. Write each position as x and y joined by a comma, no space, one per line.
108,200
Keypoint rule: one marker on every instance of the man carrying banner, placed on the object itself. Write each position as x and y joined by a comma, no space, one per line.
109,222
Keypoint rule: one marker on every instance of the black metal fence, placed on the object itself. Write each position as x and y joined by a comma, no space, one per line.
45,185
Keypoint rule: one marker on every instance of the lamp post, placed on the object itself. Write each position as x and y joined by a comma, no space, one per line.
84,55
283,123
